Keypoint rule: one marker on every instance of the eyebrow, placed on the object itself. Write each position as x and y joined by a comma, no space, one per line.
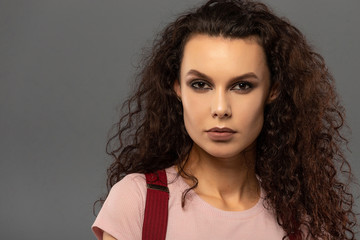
234,79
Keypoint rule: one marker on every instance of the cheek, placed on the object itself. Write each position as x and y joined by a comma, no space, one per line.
257,121
194,110
250,116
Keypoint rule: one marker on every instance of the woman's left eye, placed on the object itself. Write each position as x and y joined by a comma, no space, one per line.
242,86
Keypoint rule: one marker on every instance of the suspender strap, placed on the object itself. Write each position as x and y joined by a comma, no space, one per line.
156,208
295,236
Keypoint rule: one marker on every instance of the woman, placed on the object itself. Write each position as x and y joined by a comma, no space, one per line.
243,116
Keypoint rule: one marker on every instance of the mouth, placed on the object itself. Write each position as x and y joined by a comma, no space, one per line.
221,130
220,134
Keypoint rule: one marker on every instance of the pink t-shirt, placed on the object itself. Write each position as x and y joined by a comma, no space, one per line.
122,215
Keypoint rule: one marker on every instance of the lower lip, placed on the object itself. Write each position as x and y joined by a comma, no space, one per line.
220,136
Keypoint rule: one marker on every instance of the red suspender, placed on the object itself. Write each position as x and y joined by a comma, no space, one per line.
293,236
297,234
156,208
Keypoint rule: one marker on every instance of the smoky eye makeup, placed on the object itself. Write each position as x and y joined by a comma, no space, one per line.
202,85
243,86
199,85
200,82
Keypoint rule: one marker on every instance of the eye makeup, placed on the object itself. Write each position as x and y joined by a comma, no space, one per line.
243,87
205,85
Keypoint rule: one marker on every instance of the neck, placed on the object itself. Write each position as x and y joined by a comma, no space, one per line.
228,183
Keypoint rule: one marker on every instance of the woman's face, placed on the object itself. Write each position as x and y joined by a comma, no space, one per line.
224,85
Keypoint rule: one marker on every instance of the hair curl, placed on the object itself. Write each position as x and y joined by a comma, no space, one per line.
299,151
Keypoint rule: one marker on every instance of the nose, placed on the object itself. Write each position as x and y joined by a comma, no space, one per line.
220,106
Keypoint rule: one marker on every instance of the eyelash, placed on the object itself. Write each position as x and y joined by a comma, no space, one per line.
247,86
193,85
241,85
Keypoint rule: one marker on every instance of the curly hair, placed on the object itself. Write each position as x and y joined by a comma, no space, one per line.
300,158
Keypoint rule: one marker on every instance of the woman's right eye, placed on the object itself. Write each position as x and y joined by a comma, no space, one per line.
200,85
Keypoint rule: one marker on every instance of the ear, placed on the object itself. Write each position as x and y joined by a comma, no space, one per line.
274,93
177,88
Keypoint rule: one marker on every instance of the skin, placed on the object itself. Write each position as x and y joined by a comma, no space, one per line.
224,83
107,236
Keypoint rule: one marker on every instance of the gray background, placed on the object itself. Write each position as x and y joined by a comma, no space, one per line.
65,67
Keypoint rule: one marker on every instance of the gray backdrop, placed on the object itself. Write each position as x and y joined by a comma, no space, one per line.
65,66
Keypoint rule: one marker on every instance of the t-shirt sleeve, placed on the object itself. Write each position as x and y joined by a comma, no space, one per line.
123,211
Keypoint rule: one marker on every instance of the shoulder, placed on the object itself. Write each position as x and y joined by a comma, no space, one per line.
123,211
130,190
122,214
134,183
127,193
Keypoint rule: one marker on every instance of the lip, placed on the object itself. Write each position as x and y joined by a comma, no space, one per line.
220,134
218,129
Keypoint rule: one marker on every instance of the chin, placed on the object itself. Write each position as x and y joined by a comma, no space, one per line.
223,154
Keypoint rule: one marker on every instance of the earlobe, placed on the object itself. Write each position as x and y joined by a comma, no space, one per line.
274,93
177,88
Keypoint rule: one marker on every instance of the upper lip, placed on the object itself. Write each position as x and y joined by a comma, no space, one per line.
217,129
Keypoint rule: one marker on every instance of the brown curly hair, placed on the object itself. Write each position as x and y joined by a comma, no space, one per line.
300,159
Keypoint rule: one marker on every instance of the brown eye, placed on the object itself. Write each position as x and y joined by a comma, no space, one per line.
242,86
200,85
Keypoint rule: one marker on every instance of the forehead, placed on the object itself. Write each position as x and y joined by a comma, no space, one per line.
219,55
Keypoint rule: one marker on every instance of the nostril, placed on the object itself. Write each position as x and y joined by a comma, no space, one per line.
221,114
